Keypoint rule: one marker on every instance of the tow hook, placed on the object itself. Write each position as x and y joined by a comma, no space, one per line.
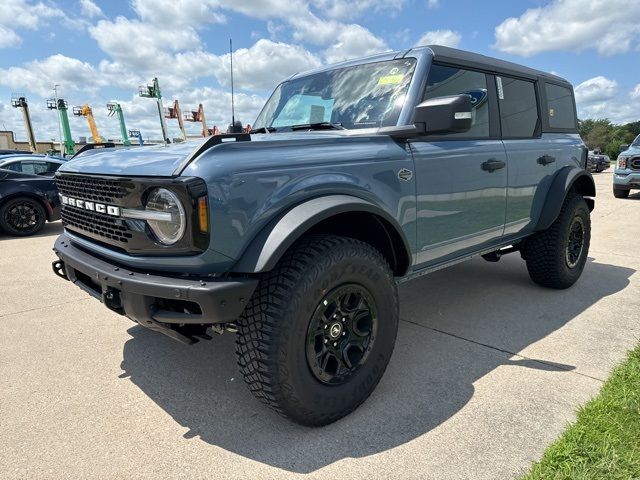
59,270
111,298
220,328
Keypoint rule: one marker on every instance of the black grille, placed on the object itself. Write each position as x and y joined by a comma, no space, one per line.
100,226
96,189
97,223
635,163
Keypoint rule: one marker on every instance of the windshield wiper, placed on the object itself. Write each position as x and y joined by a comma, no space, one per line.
263,130
318,126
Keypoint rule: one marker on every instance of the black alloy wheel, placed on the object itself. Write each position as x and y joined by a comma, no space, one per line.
22,217
341,333
575,242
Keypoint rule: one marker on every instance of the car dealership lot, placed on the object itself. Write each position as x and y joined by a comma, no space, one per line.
487,371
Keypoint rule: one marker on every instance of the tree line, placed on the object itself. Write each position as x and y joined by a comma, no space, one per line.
600,134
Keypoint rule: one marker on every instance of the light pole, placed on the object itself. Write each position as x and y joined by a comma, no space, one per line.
55,93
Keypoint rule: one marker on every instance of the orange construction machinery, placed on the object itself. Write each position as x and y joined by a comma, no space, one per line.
175,112
198,116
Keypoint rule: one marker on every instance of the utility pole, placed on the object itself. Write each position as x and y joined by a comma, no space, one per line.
152,90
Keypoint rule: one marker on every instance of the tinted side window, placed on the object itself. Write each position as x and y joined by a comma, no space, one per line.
560,111
15,166
445,81
52,167
518,107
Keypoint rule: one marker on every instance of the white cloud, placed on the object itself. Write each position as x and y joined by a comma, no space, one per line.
610,26
354,41
9,38
600,97
595,90
264,65
39,76
90,9
348,9
22,14
172,13
433,3
448,38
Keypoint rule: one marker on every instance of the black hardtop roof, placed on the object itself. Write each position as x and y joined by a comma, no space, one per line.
482,62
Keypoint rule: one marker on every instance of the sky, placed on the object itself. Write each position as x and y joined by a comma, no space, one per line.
99,51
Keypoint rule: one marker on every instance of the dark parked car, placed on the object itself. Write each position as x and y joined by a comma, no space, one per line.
598,162
27,202
32,164
14,152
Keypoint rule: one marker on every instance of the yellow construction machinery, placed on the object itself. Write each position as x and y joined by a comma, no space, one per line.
86,112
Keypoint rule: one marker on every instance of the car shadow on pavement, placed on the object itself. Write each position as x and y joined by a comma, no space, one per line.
53,228
457,326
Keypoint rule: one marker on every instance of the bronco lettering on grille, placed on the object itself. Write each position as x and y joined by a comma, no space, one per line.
92,206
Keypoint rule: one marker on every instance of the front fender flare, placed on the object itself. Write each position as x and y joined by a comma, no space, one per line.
266,249
566,178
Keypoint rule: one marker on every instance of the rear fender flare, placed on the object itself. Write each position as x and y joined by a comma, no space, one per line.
565,179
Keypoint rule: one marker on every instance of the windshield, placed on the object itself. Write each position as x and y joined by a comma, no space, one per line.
360,96
636,142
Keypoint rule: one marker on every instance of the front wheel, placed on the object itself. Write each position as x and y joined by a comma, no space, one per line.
556,256
320,329
620,192
22,217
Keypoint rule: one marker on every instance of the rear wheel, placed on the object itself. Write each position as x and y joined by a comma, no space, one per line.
620,192
22,216
319,331
556,257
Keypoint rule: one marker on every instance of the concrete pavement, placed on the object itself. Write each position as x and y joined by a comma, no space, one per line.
487,371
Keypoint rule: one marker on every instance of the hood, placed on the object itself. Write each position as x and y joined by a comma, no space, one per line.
631,151
163,161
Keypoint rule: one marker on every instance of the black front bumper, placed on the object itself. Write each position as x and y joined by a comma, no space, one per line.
174,306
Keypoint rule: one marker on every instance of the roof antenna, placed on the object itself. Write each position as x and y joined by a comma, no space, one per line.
233,112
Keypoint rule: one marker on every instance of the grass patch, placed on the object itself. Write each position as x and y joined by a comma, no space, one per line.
604,442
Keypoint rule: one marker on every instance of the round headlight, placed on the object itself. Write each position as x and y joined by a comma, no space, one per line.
170,227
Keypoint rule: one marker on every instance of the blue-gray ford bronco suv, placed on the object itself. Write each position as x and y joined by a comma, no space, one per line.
355,178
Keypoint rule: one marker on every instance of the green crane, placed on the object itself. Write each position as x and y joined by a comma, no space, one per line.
115,108
152,90
61,106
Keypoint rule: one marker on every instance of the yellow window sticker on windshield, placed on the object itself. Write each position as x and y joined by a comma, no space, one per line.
390,79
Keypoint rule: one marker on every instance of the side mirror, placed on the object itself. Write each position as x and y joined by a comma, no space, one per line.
437,115
444,114
623,148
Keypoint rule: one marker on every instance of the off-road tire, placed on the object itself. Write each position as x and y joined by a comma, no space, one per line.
546,252
272,335
620,192
39,213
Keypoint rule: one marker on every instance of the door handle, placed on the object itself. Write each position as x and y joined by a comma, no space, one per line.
493,164
546,159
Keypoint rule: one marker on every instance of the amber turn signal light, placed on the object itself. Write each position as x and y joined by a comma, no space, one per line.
203,215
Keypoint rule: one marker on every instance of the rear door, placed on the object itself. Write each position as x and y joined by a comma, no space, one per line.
461,178
532,158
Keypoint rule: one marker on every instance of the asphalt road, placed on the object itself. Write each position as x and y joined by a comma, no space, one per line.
487,371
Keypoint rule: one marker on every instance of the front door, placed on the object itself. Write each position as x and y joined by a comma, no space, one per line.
461,178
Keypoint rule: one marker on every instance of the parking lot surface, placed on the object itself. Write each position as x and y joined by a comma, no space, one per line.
487,371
